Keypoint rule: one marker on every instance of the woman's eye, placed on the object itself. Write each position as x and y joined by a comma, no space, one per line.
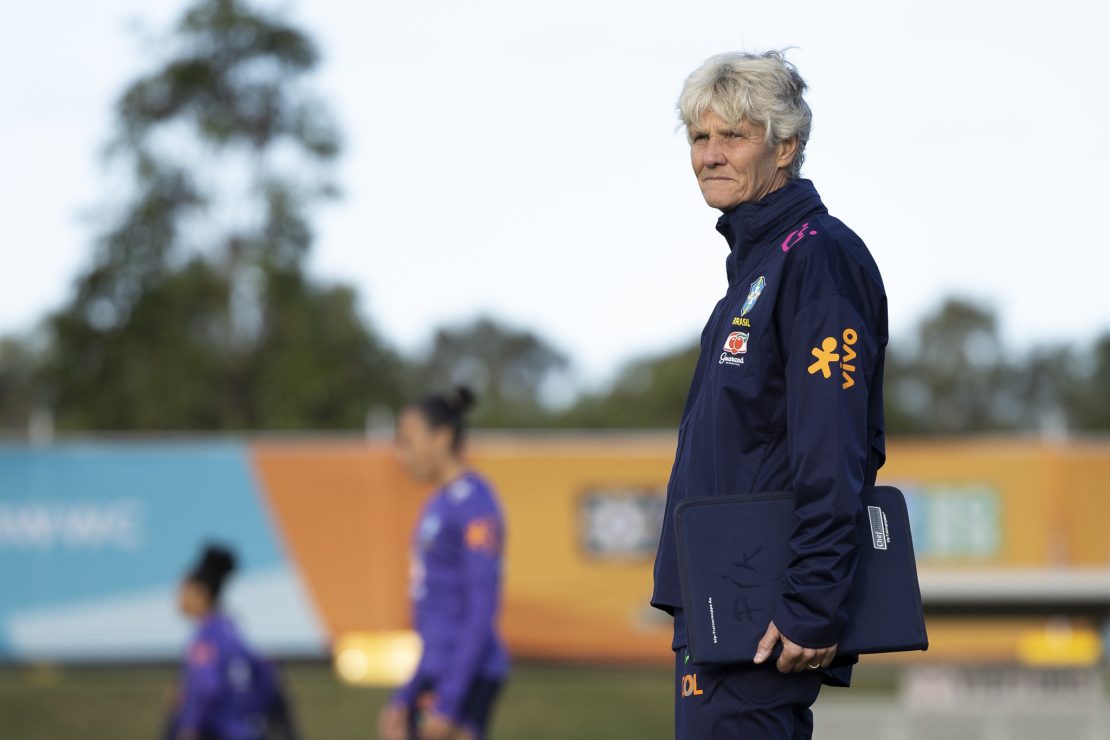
700,137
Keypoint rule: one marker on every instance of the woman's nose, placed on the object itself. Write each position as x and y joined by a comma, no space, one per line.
713,153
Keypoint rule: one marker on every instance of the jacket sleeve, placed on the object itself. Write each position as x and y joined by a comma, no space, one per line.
482,541
202,685
830,361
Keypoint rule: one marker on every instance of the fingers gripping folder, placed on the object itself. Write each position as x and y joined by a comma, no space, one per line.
733,554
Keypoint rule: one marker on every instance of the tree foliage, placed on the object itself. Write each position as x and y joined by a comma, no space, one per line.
1088,396
649,392
17,382
509,369
953,375
196,312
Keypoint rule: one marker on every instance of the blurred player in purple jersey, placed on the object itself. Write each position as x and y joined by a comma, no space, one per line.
455,583
227,692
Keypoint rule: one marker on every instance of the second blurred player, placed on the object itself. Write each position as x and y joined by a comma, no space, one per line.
455,583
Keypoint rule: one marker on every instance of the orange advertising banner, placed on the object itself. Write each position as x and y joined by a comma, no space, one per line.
584,511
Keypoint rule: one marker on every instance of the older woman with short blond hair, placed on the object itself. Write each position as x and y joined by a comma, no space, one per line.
786,395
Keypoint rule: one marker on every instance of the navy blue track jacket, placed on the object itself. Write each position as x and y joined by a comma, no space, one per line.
787,395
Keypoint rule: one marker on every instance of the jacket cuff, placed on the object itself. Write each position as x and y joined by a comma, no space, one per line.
795,622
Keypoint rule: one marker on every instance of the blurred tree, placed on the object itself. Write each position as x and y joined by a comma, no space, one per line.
509,369
1087,398
196,312
952,377
649,392
17,386
1040,384
955,378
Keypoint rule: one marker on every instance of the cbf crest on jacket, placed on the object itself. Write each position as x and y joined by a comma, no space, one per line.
787,395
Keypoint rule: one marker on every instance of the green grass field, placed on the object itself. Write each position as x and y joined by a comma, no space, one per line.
541,702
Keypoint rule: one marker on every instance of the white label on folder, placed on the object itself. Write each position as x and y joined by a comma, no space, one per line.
879,536
712,621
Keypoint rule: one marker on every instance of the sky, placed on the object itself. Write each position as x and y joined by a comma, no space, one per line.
522,160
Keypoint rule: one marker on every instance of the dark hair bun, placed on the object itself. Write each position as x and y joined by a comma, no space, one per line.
462,400
217,562
448,411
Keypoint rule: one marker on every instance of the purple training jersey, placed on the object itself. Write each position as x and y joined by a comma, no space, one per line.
226,690
455,587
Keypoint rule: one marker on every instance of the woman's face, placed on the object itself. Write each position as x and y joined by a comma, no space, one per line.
193,599
733,164
421,449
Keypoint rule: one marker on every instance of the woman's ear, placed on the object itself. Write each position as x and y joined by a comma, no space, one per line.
787,150
444,439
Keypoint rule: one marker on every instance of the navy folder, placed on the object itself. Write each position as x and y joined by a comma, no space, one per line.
733,553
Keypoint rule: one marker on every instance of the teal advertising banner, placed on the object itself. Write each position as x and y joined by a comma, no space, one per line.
94,539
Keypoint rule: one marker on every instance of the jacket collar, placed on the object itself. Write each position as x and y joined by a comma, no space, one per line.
750,225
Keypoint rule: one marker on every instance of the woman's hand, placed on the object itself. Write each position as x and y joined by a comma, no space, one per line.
393,723
438,727
794,658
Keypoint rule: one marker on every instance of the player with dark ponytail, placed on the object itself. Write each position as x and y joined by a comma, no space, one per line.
455,581
226,692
